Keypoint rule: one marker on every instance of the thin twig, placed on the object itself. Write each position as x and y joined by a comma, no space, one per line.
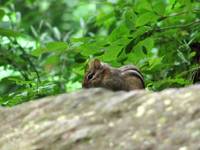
30,62
177,14
177,26
189,71
26,57
150,32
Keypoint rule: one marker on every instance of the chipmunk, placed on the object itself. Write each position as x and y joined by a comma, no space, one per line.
125,78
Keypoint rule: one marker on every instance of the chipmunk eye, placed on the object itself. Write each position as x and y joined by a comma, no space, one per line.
90,75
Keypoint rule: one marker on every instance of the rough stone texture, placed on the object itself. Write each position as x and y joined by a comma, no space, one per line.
97,119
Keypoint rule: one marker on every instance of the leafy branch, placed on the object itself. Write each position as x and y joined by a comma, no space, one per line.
155,30
176,26
177,14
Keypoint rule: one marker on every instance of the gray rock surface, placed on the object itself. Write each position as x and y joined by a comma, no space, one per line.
97,119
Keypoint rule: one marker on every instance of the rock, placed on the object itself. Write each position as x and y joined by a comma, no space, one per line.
97,119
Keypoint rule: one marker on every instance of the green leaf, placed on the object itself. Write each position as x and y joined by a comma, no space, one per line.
148,43
136,56
160,7
53,59
111,53
93,45
119,32
146,18
8,32
130,17
140,31
56,47
89,49
186,3
155,63
19,81
82,39
143,6
37,52
2,13
1,101
171,82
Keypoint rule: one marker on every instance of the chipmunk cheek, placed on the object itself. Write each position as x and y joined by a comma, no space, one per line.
106,74
94,81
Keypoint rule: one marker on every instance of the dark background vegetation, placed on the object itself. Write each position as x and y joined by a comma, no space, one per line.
45,44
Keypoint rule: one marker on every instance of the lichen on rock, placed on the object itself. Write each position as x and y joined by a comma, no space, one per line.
100,119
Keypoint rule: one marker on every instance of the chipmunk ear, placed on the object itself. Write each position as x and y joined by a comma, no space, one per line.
97,63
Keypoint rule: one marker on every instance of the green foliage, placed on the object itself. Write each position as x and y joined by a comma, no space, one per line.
45,45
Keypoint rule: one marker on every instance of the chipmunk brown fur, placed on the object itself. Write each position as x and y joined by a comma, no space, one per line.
125,78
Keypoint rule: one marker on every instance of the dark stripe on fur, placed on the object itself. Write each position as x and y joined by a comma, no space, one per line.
137,73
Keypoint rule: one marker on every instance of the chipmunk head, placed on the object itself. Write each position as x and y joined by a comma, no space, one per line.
94,74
